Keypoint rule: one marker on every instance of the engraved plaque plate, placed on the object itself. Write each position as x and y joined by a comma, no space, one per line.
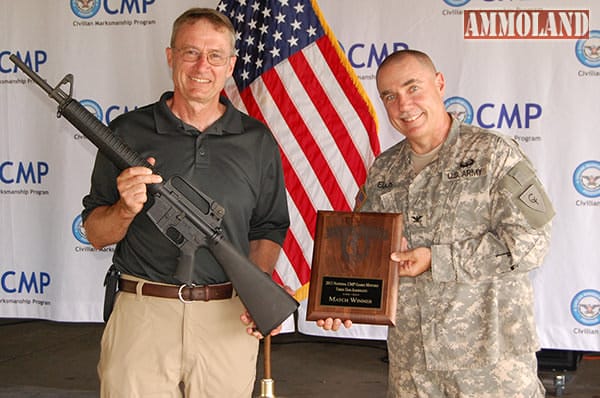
352,276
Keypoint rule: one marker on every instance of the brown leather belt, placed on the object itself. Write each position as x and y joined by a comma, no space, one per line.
184,293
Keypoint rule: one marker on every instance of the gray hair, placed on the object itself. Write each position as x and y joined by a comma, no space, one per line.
218,20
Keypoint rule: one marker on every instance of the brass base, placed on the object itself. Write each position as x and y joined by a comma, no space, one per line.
267,388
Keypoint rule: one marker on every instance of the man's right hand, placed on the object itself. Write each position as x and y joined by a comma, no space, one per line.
131,184
107,225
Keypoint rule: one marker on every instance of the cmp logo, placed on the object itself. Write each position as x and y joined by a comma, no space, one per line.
368,55
460,108
78,231
93,107
85,8
586,178
32,58
107,115
585,307
588,50
456,3
13,281
491,115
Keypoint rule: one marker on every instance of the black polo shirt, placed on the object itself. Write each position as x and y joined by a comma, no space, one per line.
235,161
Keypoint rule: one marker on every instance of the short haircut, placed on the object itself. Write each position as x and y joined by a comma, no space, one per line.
400,55
218,20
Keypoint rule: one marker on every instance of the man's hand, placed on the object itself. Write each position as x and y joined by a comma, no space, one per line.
412,262
251,329
333,324
107,225
249,322
131,184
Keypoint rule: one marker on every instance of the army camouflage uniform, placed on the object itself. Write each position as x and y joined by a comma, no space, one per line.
481,209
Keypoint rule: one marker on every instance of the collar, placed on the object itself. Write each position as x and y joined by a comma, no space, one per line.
453,133
168,123
405,156
448,148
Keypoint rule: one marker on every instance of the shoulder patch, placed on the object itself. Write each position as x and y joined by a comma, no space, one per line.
533,198
526,190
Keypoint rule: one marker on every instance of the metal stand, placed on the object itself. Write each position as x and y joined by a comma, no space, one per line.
267,384
560,384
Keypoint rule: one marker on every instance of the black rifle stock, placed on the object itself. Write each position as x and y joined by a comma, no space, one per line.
185,215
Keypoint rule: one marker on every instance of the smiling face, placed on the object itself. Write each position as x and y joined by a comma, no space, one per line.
412,93
198,81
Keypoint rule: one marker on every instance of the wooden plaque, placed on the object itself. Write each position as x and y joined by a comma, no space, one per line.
352,276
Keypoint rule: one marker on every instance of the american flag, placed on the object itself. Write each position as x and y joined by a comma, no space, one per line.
292,74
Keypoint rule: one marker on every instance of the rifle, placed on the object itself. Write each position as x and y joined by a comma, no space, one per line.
185,215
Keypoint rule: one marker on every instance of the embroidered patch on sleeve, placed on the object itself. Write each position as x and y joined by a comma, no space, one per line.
529,194
533,198
360,198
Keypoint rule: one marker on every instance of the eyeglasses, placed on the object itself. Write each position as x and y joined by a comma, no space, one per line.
190,54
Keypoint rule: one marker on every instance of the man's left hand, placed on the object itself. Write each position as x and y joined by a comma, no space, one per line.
249,322
412,262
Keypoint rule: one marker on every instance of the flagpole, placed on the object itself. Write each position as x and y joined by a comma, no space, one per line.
267,384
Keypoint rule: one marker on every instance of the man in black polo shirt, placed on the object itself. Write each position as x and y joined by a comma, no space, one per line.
153,341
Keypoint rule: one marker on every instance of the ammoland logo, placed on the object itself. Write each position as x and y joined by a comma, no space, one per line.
526,24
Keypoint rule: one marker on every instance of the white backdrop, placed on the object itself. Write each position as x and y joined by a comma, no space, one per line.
543,92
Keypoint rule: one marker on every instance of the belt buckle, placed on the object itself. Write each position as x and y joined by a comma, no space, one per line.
180,293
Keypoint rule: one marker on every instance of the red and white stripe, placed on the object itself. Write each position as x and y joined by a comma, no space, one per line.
326,129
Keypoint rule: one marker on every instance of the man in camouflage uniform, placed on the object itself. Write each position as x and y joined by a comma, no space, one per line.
476,222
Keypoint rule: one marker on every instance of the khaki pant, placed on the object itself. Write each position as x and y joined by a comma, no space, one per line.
152,345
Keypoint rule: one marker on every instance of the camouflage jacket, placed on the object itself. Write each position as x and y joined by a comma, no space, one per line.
483,212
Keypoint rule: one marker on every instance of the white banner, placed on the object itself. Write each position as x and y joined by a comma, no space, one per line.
521,72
